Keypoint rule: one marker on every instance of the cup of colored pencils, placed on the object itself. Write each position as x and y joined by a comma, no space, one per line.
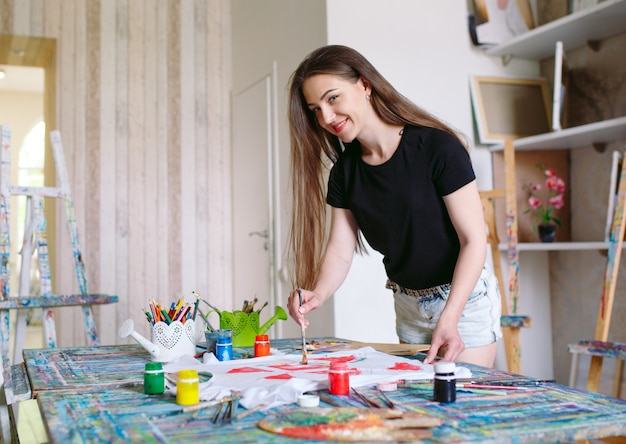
180,311
173,329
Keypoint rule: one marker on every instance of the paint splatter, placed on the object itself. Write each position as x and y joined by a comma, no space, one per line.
288,367
281,376
348,358
405,366
247,370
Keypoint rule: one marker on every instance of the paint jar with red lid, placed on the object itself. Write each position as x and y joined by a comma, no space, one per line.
261,346
339,378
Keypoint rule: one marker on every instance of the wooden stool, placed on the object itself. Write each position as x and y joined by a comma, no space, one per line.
603,349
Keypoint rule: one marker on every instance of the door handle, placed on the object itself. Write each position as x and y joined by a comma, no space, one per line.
265,234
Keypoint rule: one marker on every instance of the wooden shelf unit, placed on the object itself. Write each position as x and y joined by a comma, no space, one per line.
557,246
575,137
574,30
587,27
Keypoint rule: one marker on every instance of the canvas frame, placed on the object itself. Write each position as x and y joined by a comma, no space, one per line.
559,88
510,107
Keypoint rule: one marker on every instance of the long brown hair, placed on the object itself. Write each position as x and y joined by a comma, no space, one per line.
312,147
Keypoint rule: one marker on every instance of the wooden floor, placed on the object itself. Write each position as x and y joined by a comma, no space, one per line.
29,425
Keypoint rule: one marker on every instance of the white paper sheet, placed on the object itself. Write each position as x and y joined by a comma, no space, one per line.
279,379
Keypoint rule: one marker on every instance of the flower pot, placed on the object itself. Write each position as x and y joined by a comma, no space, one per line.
547,232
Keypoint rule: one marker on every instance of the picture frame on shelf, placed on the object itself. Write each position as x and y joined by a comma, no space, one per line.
510,107
496,21
616,165
579,5
549,10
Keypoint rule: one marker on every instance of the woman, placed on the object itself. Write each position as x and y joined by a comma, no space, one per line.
404,179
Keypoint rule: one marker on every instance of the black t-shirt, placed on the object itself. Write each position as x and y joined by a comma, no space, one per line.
398,205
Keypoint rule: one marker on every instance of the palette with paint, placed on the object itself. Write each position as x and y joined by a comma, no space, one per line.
351,424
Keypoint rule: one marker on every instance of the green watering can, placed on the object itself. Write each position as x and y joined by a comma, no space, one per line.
245,326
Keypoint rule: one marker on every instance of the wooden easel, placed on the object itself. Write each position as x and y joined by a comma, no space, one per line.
510,321
600,348
15,387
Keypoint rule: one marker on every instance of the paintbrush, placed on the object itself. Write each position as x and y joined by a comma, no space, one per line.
304,356
365,399
388,401
192,408
492,387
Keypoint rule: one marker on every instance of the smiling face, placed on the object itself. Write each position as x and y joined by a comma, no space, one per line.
340,107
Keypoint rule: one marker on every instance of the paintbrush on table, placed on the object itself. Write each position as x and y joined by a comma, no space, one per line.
304,356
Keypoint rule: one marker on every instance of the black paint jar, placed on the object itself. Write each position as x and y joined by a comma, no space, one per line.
445,382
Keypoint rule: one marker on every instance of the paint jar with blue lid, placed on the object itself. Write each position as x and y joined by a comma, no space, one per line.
153,378
445,382
224,346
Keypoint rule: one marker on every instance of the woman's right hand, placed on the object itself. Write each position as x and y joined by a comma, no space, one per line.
310,301
334,268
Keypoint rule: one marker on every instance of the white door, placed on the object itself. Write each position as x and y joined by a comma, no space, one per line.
252,236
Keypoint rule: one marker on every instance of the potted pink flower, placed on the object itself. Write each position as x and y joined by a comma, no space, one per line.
543,202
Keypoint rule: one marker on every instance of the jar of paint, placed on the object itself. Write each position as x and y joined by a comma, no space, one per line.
445,382
153,378
339,378
211,341
261,346
187,387
224,346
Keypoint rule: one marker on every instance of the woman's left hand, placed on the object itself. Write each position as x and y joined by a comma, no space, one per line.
445,338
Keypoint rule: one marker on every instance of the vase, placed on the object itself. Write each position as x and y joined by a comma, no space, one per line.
547,232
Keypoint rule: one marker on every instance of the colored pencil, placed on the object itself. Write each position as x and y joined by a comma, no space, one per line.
195,307
166,316
181,315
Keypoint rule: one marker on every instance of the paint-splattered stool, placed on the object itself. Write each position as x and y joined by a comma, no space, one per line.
616,350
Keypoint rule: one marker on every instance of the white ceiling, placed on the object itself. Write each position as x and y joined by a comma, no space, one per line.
22,78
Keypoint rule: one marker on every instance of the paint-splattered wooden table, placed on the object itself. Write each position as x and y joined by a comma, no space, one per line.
52,369
96,395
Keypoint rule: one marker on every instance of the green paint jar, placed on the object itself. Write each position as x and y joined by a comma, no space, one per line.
153,379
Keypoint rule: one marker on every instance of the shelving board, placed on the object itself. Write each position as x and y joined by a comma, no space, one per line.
574,30
575,137
557,246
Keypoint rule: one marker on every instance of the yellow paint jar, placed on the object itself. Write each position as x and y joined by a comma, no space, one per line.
187,388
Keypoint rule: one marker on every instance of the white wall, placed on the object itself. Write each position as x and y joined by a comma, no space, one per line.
273,36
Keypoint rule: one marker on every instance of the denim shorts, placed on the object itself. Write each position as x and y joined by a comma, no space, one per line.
479,325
